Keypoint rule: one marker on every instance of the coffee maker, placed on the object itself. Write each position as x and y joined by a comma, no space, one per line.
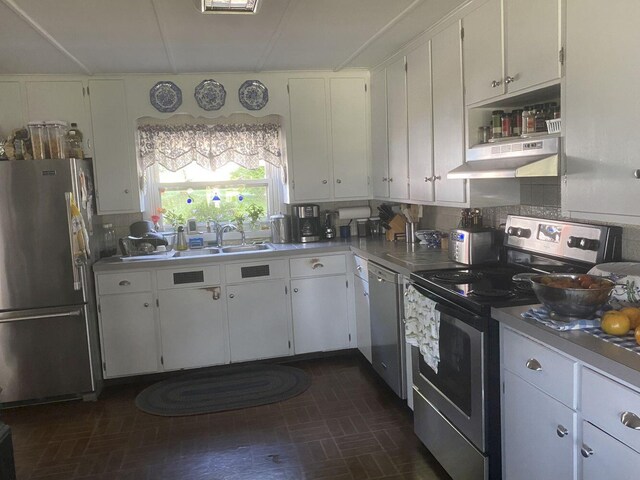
306,223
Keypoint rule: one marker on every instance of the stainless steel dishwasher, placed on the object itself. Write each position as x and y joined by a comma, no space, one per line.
387,332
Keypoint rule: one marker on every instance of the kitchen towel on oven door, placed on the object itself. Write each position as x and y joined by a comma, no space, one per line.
422,326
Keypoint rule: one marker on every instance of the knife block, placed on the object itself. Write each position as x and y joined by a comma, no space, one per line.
397,225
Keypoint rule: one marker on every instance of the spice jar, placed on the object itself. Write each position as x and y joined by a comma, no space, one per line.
496,123
516,123
484,134
540,119
505,119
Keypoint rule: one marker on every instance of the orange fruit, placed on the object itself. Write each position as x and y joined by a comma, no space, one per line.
638,335
615,323
634,315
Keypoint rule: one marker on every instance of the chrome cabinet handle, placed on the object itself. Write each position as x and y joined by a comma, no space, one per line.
509,79
338,181
365,294
231,295
385,179
359,268
379,279
295,290
124,283
630,420
390,179
428,179
533,364
496,83
317,265
636,173
324,182
586,451
436,177
562,431
146,304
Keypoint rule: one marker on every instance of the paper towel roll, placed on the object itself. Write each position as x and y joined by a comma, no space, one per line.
354,212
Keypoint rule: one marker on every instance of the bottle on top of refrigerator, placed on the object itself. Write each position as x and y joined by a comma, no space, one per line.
74,142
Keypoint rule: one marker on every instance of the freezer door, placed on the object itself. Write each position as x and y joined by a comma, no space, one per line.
35,249
44,354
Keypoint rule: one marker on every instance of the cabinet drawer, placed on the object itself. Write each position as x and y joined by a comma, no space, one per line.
606,457
188,277
250,272
318,265
361,268
126,282
604,401
539,365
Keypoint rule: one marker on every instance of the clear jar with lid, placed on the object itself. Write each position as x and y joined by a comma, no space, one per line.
56,132
38,134
496,123
109,246
484,134
505,120
540,119
516,122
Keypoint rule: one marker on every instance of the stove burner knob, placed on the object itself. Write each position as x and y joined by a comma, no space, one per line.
511,231
523,233
587,244
573,242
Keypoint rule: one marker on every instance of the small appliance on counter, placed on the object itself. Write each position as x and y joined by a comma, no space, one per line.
329,229
280,228
306,223
473,245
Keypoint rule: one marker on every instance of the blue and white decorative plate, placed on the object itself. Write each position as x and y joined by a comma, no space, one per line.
253,95
210,95
165,96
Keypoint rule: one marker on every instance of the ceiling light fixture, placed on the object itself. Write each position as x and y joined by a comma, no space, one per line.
227,6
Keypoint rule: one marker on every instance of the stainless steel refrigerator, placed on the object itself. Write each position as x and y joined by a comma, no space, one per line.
48,326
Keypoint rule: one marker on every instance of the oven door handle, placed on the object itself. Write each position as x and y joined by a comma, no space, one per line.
458,312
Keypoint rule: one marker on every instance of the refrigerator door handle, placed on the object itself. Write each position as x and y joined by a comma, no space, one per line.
75,313
75,265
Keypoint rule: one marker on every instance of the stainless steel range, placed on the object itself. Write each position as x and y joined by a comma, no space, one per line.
457,408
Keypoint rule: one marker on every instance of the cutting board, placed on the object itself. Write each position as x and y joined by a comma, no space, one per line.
397,224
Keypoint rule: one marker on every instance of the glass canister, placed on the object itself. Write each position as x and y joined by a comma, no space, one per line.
56,132
496,123
37,132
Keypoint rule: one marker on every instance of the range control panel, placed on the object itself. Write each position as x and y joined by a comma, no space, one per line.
566,240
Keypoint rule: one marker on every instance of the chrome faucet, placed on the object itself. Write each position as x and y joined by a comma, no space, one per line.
221,229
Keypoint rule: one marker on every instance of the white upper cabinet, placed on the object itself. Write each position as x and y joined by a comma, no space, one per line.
379,141
114,144
60,100
420,125
309,143
11,108
509,46
329,141
601,112
349,137
397,130
448,114
483,71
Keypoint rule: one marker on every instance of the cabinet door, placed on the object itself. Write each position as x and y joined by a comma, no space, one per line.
319,308
397,123
60,100
258,320
420,124
379,140
363,322
606,457
534,443
192,328
601,110
532,33
309,151
349,138
129,335
448,114
482,53
11,108
115,160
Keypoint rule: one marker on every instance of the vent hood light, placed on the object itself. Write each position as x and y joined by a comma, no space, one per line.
524,157
227,6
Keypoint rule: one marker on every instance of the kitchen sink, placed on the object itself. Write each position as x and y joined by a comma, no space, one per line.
245,248
197,253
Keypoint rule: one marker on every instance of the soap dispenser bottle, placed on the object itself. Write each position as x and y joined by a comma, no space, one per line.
181,241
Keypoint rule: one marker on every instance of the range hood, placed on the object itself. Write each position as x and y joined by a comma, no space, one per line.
522,157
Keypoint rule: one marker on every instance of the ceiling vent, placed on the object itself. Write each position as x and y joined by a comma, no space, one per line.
227,6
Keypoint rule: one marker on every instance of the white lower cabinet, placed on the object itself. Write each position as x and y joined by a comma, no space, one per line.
258,320
603,456
320,319
128,334
192,327
538,433
363,322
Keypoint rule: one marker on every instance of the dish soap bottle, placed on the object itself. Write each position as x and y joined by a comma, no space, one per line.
181,241
74,142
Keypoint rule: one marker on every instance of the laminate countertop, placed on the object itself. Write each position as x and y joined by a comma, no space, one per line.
612,359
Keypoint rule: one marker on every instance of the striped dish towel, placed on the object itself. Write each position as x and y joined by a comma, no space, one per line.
541,314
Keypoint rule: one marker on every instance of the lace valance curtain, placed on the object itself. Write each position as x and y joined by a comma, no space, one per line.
210,146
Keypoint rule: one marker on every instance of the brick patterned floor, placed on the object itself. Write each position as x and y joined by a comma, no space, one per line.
346,426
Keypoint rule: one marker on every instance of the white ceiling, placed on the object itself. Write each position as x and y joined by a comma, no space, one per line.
171,36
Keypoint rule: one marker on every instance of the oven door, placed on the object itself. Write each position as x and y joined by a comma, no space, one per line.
457,391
